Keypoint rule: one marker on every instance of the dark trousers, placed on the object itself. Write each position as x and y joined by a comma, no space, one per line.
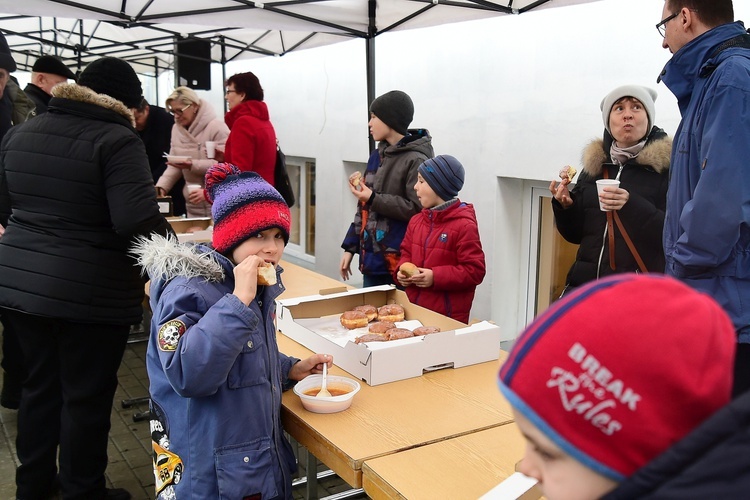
376,279
741,370
66,404
12,362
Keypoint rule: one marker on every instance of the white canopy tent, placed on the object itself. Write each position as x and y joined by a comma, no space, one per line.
144,32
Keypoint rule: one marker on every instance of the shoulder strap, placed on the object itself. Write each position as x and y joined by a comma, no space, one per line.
742,41
613,215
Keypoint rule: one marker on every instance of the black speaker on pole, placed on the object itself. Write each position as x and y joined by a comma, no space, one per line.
192,63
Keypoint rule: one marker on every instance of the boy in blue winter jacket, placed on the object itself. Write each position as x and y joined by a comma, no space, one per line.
214,366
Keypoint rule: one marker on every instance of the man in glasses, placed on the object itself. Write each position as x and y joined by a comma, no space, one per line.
707,226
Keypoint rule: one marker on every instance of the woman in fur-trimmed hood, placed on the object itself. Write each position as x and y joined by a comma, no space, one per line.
635,152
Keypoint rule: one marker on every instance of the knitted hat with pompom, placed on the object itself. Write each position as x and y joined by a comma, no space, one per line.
244,204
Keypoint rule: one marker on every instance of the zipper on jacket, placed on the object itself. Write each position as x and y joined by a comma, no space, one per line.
604,236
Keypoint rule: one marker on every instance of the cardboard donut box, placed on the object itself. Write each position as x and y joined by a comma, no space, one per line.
455,346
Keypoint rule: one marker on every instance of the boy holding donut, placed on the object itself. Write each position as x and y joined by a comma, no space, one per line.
215,369
385,198
442,261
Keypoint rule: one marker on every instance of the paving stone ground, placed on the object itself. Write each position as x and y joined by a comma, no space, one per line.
129,444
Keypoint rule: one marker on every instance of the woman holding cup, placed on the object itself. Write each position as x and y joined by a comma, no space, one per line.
196,126
618,226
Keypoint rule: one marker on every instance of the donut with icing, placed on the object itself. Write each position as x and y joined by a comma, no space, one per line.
398,333
381,326
370,311
425,330
391,312
353,319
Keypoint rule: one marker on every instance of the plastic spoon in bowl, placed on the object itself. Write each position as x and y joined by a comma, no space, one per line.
323,391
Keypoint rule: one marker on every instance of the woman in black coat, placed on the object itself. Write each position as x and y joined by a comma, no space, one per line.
636,153
75,191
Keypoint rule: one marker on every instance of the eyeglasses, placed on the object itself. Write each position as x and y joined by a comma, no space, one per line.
230,92
173,111
662,28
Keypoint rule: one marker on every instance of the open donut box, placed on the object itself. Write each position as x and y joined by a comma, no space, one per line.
377,363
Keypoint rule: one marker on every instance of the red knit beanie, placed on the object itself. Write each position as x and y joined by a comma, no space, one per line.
621,369
244,204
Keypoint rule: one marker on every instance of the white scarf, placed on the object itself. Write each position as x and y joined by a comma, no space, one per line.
621,155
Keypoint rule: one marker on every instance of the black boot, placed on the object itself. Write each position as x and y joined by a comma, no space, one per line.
11,395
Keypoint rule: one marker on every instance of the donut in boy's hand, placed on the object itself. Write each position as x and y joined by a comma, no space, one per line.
408,269
266,274
355,179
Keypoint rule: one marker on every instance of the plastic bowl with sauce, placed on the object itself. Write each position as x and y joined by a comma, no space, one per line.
342,391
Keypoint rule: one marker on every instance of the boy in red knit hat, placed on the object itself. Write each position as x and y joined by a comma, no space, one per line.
216,374
610,378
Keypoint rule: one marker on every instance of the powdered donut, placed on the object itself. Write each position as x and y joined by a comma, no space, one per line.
391,312
398,333
353,319
425,330
370,311
381,326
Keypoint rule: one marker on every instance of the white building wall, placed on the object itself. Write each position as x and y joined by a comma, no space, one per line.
514,98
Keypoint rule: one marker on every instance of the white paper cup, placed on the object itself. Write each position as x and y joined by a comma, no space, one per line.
601,184
210,149
194,187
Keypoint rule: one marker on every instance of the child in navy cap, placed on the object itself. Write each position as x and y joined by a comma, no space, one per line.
442,241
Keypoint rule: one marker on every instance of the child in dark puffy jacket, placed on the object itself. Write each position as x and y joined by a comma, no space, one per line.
385,195
442,241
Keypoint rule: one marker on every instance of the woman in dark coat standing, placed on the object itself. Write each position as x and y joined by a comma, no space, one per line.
636,153
75,191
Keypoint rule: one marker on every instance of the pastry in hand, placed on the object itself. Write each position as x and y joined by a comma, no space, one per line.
355,179
408,269
267,274
567,173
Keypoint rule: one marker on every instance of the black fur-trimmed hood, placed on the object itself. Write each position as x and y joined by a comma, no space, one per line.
656,154
79,93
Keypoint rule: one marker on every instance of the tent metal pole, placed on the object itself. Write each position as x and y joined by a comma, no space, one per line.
156,78
223,68
370,61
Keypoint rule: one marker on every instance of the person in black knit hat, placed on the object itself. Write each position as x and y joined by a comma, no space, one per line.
78,182
46,72
385,193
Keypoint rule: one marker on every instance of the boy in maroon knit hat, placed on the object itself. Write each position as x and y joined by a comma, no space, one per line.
622,388
215,370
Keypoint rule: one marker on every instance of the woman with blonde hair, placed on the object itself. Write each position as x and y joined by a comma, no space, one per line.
195,122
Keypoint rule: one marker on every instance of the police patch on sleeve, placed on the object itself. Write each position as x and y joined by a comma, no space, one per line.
170,333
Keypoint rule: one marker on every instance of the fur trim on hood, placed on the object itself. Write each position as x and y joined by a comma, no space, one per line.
167,258
76,92
656,154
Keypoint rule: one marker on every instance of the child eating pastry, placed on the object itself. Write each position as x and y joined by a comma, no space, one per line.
214,366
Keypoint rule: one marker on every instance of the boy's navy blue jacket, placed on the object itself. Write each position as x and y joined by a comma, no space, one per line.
711,462
216,378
